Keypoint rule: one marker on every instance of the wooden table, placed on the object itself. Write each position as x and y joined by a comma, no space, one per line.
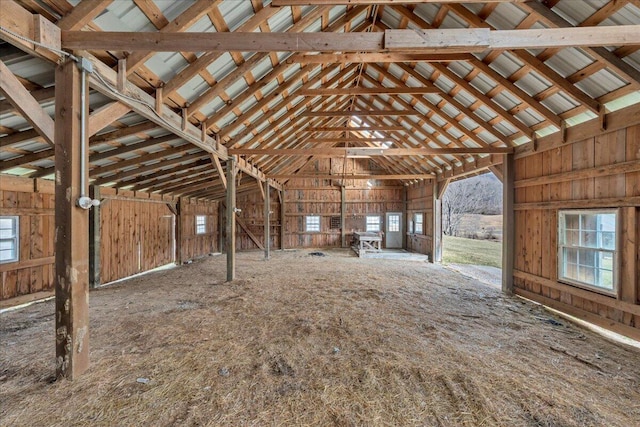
365,242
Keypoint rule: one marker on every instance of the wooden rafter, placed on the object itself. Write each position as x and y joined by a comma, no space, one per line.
26,104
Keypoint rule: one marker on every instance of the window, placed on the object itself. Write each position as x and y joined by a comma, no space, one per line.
334,223
201,224
587,244
373,223
394,223
9,238
312,223
417,223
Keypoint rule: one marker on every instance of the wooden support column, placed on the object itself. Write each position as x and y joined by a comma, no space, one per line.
94,240
72,229
508,224
405,218
179,232
629,255
343,214
283,220
267,223
221,228
436,241
231,219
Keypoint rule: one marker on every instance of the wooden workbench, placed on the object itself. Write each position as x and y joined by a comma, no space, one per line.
366,242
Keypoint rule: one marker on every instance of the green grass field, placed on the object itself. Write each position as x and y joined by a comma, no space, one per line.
458,250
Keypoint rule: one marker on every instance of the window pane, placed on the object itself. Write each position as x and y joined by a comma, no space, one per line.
373,223
312,223
588,245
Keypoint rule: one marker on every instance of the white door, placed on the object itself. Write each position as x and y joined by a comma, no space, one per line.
393,232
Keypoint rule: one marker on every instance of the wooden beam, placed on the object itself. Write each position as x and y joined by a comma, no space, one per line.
480,39
216,161
231,219
343,214
105,115
360,113
454,40
283,219
497,171
370,2
26,104
40,95
355,91
267,220
349,140
72,230
82,14
436,239
246,229
508,224
347,58
366,151
359,177
354,129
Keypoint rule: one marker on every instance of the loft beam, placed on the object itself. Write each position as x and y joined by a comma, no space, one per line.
354,129
369,91
360,113
358,177
366,151
456,40
346,58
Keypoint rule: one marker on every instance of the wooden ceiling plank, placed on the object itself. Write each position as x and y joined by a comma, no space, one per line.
26,104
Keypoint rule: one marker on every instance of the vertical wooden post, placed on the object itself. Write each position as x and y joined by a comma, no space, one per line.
508,224
221,228
72,229
343,214
628,255
267,224
179,232
94,240
231,219
436,241
283,223
405,218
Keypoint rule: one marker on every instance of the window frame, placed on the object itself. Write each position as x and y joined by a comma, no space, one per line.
202,224
416,222
310,227
15,238
366,223
615,253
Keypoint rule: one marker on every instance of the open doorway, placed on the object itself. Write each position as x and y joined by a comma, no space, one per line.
472,227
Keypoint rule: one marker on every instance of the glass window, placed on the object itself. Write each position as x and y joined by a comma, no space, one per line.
394,223
312,223
201,224
587,244
9,238
417,223
373,223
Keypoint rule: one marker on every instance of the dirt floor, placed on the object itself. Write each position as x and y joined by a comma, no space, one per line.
304,340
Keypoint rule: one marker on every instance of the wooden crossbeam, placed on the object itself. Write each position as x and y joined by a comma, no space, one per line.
82,14
358,177
345,58
350,140
366,151
369,91
106,115
360,113
353,129
352,2
455,40
26,104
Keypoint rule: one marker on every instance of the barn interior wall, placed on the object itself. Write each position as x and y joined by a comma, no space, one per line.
136,233
420,201
317,196
33,202
595,172
191,244
250,220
